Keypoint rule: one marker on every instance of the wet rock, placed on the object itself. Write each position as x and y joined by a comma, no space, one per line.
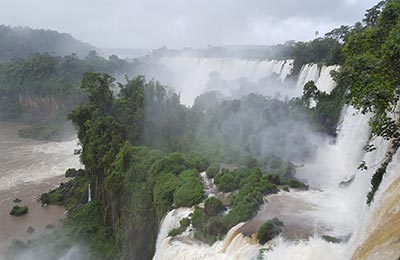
332,239
30,230
346,183
72,172
16,200
19,210
49,226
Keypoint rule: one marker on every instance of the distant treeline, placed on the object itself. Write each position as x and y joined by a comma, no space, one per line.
32,88
21,42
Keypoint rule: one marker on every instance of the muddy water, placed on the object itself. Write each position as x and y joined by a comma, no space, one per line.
27,169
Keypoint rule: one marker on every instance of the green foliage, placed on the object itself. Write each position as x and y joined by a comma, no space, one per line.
184,223
172,163
189,175
19,210
215,227
213,207
189,194
269,230
226,181
296,184
163,193
212,170
198,218
20,42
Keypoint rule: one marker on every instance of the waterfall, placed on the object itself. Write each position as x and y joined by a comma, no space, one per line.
89,194
190,75
170,221
335,205
210,189
234,246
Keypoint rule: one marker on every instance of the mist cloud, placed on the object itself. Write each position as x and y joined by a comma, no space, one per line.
179,23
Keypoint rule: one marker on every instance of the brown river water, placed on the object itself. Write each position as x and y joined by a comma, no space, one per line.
27,169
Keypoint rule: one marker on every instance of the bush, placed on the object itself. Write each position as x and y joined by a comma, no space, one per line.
212,171
198,218
213,206
171,163
54,197
189,175
226,181
189,194
196,161
296,184
215,227
184,223
274,178
239,213
163,192
19,210
269,230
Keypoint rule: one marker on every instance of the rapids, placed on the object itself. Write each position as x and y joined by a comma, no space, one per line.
335,205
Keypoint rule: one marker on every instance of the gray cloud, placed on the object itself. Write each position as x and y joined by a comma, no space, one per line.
179,23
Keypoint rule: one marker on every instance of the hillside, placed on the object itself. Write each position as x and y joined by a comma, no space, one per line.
21,42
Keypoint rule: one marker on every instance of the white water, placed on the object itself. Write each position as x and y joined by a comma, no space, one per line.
190,75
329,207
24,161
89,193
235,246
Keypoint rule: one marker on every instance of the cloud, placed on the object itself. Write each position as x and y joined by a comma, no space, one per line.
179,23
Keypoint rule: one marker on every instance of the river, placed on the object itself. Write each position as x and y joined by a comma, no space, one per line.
27,169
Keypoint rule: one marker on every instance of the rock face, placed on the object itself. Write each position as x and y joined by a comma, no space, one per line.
19,210
269,230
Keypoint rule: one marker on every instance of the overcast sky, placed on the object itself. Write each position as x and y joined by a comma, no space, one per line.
184,23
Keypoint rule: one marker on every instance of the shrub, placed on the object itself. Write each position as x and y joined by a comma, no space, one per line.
198,218
163,192
212,171
215,227
296,184
184,223
189,175
226,181
213,206
269,230
239,213
196,161
189,194
171,163
274,178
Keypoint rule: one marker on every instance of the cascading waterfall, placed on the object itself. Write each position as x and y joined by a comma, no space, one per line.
89,193
335,205
191,74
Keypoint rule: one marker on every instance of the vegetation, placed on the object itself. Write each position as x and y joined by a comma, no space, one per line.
19,210
212,170
269,230
213,207
21,42
184,223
